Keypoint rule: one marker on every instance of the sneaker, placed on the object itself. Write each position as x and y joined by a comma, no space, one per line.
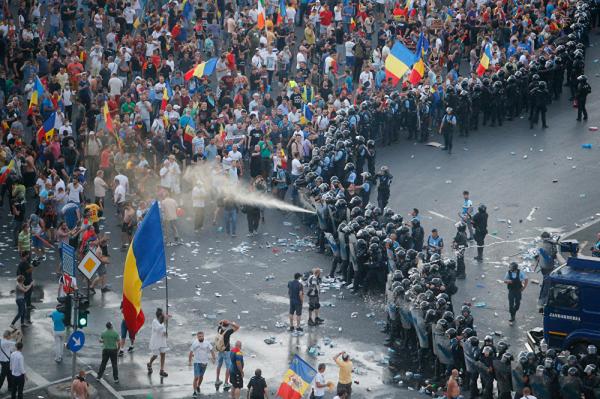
105,289
163,373
121,353
319,320
131,349
218,383
311,323
195,394
291,329
299,329
116,380
226,385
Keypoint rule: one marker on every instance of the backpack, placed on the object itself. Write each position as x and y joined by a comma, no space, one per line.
220,341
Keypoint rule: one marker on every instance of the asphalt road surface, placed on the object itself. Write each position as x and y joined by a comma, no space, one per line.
530,180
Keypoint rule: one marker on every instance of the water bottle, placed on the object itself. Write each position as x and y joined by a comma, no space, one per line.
588,146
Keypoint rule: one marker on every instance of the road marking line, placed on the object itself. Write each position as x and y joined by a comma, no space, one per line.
580,228
46,385
530,216
144,391
442,216
35,377
106,385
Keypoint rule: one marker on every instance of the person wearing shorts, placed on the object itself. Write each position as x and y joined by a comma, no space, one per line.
225,329
200,351
124,333
236,375
296,295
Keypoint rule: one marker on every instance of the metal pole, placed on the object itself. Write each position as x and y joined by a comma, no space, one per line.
74,317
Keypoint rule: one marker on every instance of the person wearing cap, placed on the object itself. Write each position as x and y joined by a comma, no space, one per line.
447,129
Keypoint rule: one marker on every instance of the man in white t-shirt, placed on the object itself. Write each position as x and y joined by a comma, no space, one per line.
74,191
115,85
319,383
200,352
121,180
235,155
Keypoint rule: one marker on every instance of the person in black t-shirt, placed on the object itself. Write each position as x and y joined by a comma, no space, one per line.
257,387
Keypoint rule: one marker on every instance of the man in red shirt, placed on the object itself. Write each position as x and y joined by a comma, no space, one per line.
326,17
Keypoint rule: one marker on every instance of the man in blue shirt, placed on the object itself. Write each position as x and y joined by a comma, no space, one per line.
58,324
466,213
516,281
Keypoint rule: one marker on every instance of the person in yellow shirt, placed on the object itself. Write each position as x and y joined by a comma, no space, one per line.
345,375
92,211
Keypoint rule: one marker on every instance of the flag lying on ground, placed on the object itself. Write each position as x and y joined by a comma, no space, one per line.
145,265
203,69
46,131
484,62
297,379
398,62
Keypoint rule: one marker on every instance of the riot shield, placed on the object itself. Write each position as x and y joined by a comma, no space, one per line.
503,376
420,327
441,347
540,385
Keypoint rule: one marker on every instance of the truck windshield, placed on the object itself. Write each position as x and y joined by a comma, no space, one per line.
564,296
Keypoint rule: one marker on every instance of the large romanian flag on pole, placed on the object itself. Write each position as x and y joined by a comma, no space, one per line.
145,265
398,62
297,379
484,62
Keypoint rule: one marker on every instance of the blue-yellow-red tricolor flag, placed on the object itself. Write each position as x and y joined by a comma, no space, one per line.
297,379
398,62
46,131
200,70
484,62
145,265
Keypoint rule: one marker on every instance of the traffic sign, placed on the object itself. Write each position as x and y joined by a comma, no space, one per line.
89,264
68,259
76,341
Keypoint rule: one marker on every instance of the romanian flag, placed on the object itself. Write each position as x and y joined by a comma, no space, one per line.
484,62
398,62
46,131
203,69
38,91
189,133
107,118
6,171
418,69
352,24
145,265
262,16
297,379
165,99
